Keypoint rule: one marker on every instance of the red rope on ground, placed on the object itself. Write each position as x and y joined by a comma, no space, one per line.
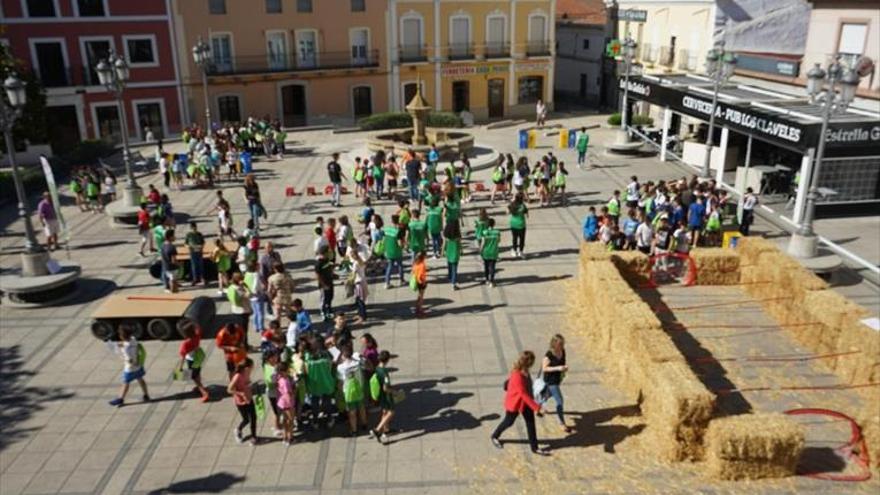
758,359
855,449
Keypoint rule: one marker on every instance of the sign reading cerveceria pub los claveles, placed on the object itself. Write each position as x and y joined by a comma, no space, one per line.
845,137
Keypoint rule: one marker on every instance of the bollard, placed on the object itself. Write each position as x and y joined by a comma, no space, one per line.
563,138
523,139
572,138
533,138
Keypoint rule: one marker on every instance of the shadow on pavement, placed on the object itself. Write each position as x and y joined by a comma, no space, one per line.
213,483
589,428
18,401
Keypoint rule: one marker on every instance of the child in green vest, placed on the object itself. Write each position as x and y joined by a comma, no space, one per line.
192,354
489,244
435,225
453,251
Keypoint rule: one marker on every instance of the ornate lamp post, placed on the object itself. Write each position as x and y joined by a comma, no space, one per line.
202,57
841,88
34,256
628,49
113,74
719,66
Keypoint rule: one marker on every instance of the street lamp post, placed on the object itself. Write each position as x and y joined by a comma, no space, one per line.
202,57
841,89
113,74
629,51
34,256
719,66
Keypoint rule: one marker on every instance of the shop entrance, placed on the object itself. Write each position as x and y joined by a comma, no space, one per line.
461,96
293,102
496,98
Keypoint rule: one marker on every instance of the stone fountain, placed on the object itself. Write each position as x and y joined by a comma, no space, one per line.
420,138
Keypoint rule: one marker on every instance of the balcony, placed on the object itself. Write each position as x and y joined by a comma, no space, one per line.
496,50
413,53
667,56
538,48
263,64
460,51
647,54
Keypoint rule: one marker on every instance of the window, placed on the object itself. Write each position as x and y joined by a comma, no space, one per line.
362,101
358,5
94,51
217,6
149,117
586,44
229,107
141,51
537,29
306,49
495,36
276,48
531,89
107,123
50,63
41,8
459,37
852,39
359,41
221,52
411,39
304,6
90,8
273,6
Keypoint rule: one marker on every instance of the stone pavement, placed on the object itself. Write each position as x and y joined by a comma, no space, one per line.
60,436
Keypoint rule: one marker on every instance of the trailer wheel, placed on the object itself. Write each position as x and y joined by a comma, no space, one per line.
136,326
102,330
160,329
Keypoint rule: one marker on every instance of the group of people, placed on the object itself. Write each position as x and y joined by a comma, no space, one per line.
666,217
515,177
92,188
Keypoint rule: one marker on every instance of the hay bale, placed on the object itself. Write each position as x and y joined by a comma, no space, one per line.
594,251
750,249
863,367
678,409
716,266
869,422
754,446
634,266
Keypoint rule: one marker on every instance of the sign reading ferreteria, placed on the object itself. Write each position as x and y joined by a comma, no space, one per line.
777,129
455,70
632,15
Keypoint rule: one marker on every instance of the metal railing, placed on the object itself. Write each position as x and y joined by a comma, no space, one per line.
258,64
538,48
496,50
412,53
460,51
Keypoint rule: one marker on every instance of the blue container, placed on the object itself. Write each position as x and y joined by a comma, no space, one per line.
523,139
572,138
246,162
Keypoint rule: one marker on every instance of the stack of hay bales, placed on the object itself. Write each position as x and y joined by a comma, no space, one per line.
635,267
754,446
678,409
716,266
819,318
623,334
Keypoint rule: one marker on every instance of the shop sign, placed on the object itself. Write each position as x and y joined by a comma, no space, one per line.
532,67
848,136
453,70
632,15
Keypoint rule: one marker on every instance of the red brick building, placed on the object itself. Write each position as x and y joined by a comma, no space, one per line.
61,41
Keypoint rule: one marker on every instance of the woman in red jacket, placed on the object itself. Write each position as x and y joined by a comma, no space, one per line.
518,400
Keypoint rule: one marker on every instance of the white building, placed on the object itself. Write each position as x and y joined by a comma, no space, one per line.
580,46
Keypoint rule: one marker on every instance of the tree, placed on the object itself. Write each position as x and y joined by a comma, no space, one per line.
31,125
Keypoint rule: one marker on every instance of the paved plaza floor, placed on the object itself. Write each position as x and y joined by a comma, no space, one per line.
59,435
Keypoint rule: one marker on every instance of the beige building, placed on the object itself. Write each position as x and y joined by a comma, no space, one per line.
493,58
849,27
675,35
305,62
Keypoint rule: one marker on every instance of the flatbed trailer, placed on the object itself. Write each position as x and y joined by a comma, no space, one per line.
156,315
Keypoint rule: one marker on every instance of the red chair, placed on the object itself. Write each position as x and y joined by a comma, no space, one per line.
310,191
289,192
479,187
328,190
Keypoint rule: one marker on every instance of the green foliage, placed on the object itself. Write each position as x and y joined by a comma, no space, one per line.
31,125
402,120
31,177
87,152
614,120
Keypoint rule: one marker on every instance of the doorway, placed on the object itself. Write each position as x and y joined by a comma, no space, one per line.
496,98
583,86
461,96
362,100
149,115
293,103
63,128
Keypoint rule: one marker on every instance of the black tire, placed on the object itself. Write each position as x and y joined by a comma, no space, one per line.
136,326
156,270
160,329
103,329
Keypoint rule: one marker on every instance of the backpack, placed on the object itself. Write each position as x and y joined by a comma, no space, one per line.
497,175
375,386
141,355
353,390
359,174
198,358
233,296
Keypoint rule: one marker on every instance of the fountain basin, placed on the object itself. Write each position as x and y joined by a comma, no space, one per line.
450,144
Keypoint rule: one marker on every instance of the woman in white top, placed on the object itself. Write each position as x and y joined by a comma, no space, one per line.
358,255
540,113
